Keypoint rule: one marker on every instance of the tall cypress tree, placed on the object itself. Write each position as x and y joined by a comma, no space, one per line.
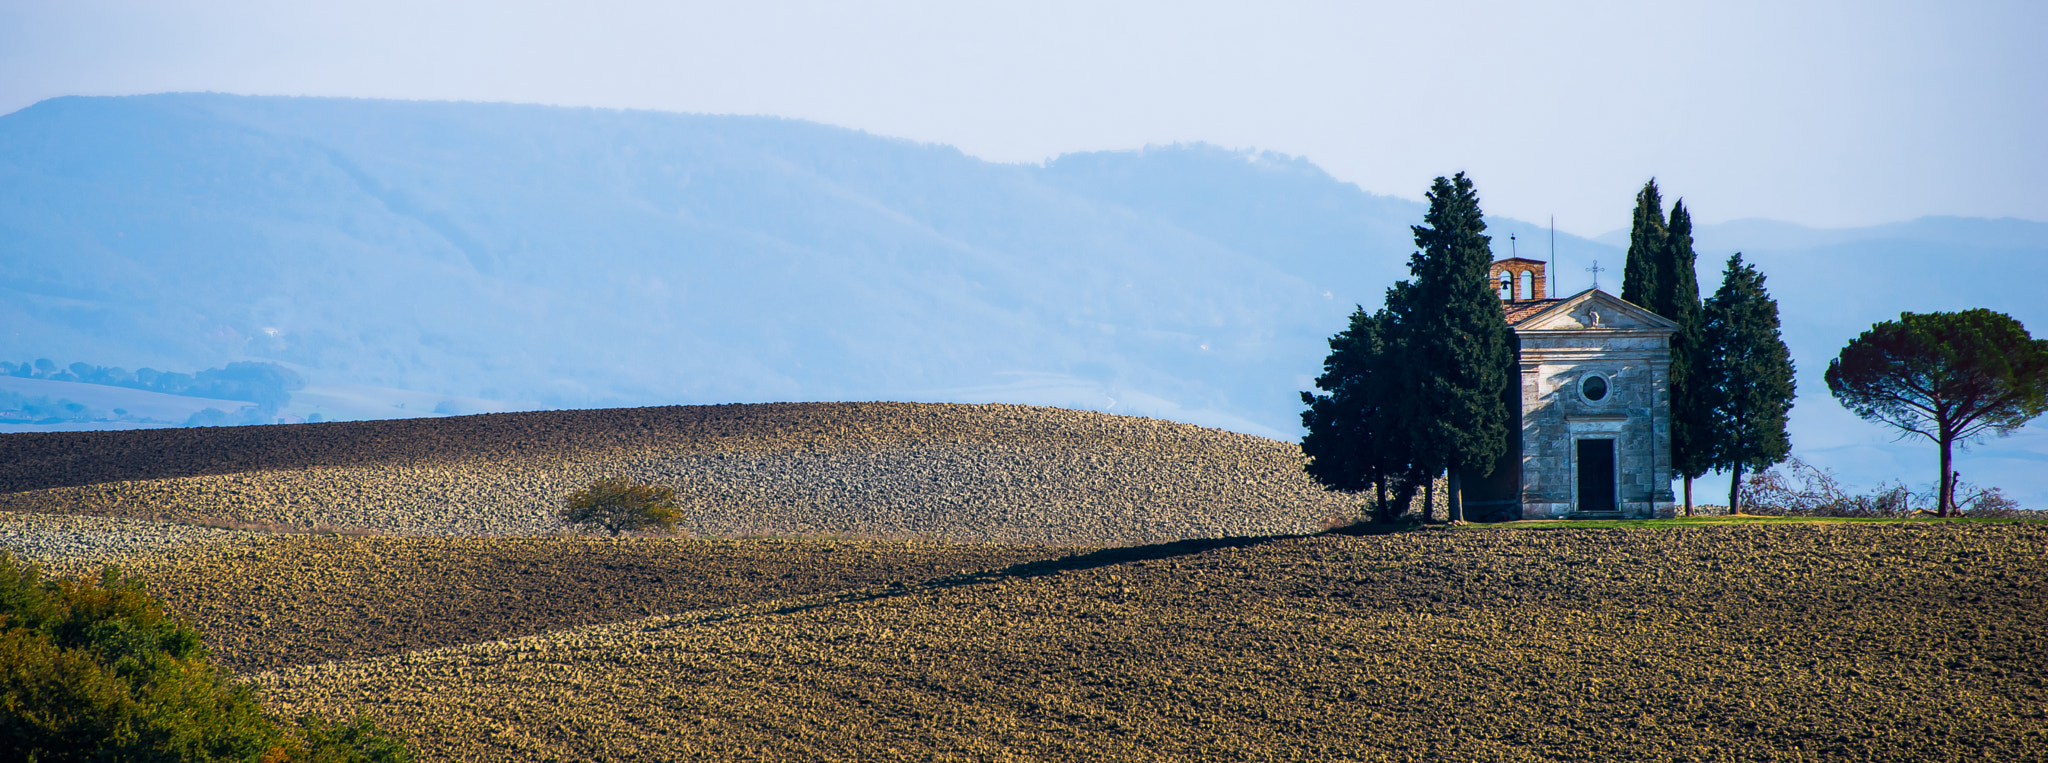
1456,359
1642,274
1678,298
1749,372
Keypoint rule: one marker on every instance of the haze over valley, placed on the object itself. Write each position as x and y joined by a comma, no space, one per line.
408,258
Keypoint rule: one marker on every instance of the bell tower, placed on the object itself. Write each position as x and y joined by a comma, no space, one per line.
1518,280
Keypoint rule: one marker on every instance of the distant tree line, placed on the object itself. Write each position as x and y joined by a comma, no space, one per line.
17,408
268,385
1948,377
1418,388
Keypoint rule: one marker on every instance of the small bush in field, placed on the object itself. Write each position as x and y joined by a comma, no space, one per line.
619,506
98,671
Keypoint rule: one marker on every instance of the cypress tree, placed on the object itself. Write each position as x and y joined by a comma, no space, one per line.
1679,299
1647,247
1455,357
1749,371
1358,428
1351,445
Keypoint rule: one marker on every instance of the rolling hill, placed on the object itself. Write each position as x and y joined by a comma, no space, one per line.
982,473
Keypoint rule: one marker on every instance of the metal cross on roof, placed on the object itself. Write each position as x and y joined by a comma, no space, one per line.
1596,270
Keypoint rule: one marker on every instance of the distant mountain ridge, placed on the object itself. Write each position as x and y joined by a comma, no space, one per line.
558,257
574,257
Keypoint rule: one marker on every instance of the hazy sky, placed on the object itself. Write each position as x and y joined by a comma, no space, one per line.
1822,113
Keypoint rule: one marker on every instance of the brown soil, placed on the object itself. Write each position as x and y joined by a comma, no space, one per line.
1789,642
981,473
37,460
296,600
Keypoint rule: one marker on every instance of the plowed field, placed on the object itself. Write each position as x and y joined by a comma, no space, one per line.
977,473
293,600
1785,642
1135,590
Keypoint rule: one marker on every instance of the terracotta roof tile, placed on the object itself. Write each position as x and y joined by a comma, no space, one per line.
1520,310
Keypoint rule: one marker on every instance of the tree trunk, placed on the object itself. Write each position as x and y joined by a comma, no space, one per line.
1379,507
1429,499
1688,496
1947,489
1735,491
1403,499
1457,498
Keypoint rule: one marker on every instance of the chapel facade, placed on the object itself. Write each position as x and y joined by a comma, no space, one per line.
1593,407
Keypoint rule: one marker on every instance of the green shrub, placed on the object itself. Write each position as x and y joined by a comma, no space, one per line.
619,506
98,671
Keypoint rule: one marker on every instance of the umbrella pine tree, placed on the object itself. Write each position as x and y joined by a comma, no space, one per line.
1949,377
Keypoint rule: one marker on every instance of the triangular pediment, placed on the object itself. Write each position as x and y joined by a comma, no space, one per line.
1594,309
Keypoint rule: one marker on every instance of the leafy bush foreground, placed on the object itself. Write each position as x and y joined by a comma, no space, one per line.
97,671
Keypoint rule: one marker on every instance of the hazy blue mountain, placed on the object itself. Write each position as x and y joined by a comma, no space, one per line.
569,257
552,257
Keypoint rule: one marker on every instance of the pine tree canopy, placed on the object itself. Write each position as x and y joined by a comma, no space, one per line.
1641,274
1749,371
1949,377
1967,373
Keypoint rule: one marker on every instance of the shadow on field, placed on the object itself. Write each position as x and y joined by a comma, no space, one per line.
1110,556
1154,552
1077,562
1072,563
1361,529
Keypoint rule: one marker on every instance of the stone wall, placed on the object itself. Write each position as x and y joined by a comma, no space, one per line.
1635,413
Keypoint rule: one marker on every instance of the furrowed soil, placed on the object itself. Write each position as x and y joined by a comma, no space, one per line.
277,601
976,473
971,583
1900,642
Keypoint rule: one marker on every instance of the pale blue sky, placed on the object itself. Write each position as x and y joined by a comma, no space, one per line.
1821,113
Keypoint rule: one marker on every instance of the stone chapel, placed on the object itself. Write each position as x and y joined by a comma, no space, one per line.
1593,407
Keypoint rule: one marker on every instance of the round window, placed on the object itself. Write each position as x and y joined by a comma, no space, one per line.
1594,387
